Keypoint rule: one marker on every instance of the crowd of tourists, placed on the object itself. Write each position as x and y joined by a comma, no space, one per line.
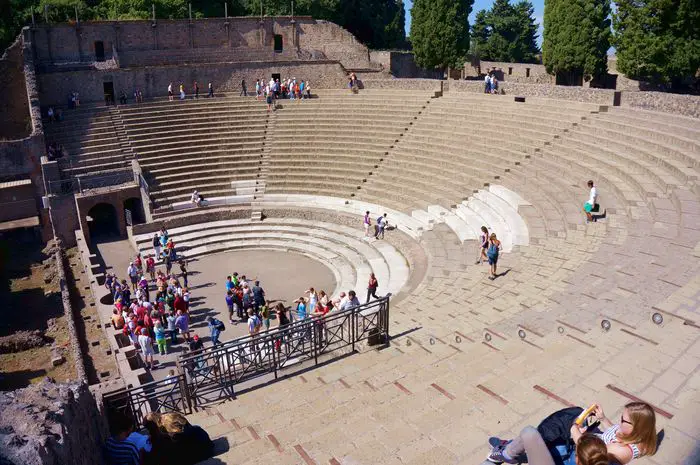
153,306
574,436
166,438
247,303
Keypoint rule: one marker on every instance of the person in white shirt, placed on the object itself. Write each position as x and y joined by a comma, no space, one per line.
133,273
487,84
592,204
196,199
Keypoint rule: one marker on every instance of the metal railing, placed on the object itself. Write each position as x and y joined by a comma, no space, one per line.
166,395
82,183
216,373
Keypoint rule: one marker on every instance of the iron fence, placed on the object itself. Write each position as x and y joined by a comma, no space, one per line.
81,183
216,373
167,395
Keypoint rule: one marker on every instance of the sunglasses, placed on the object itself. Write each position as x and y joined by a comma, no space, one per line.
623,421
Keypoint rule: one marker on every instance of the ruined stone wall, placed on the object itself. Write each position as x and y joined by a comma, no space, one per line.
65,214
153,81
335,42
50,424
402,65
21,156
71,44
518,72
579,94
679,104
402,84
71,316
15,122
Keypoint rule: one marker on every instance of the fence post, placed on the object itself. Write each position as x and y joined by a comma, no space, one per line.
353,323
314,339
184,388
274,356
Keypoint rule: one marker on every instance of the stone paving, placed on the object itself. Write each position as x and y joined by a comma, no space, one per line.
276,270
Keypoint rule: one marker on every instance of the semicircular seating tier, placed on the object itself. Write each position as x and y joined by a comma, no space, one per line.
469,354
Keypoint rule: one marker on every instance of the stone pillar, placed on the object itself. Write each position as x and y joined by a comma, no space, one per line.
121,221
145,197
295,38
50,173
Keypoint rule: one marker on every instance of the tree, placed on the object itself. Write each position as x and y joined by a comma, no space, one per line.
376,23
480,35
576,38
658,40
440,32
395,30
506,33
528,50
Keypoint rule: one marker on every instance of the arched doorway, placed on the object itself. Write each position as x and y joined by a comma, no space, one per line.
102,221
133,211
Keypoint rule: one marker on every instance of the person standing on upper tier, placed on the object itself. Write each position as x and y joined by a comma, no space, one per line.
592,204
170,92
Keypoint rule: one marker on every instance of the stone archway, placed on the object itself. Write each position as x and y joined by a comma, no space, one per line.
102,221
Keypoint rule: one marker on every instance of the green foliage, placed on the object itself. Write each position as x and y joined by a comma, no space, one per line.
376,23
658,40
576,37
440,32
506,33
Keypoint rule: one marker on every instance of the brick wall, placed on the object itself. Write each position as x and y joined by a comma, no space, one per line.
153,81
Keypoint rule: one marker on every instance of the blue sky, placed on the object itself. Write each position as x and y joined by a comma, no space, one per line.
481,5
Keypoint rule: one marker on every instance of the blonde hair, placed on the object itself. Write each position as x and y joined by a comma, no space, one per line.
493,236
643,432
173,423
591,450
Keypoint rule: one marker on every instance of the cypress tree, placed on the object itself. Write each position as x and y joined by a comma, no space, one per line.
576,38
440,32
506,33
658,40
527,49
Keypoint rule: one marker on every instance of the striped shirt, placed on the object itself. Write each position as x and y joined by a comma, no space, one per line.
610,436
118,452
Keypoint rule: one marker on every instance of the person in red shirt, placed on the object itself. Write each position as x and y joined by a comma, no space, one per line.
151,267
180,304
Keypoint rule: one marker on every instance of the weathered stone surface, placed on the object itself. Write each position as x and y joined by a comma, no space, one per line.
50,424
21,340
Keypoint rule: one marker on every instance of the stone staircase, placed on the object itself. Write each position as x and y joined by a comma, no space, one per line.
211,145
92,141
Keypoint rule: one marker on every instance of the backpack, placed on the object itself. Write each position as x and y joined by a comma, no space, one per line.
221,326
492,251
258,322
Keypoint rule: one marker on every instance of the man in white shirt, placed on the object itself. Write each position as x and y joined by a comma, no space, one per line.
592,204
352,301
487,84
133,273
